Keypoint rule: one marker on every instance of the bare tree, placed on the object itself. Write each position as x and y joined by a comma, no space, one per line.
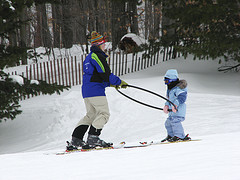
24,32
118,21
43,37
67,27
133,16
57,24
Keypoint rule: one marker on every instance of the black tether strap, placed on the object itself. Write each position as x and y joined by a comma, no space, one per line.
148,92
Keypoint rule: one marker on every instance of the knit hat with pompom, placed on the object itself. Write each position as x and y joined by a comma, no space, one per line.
97,39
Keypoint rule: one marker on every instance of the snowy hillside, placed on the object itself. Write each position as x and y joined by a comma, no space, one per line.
28,143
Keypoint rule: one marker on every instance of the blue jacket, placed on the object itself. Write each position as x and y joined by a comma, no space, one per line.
178,96
97,74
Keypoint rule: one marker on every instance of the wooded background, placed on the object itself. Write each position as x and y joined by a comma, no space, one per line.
69,22
207,28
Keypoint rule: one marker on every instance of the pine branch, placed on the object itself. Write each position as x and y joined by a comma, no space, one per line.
229,68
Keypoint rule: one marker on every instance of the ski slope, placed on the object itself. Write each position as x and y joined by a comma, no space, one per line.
28,143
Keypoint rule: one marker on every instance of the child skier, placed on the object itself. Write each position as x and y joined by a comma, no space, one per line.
177,94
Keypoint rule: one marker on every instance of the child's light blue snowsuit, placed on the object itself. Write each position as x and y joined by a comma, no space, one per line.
178,96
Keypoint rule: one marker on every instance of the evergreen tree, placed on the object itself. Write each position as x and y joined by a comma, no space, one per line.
11,92
10,54
206,28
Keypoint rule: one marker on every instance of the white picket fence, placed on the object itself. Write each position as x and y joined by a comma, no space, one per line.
68,71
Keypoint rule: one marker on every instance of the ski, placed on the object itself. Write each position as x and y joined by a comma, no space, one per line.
83,150
136,146
166,142
123,145
120,145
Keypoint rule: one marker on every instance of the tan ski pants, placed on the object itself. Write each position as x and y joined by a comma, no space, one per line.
97,112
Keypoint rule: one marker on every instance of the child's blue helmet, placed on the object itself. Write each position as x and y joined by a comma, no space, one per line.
170,76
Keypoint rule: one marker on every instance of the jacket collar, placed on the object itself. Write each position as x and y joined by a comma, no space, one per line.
96,49
182,84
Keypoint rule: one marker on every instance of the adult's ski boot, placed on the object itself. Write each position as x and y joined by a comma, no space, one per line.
77,144
95,141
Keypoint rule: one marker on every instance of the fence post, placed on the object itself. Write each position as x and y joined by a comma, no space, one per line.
113,54
30,72
72,71
133,61
79,68
51,67
126,64
37,73
62,71
59,70
40,71
139,59
116,64
163,54
34,73
49,78
76,70
119,68
167,58
145,61
69,73
65,69
170,53
122,63
55,71
27,72
136,59
44,72
154,56
151,56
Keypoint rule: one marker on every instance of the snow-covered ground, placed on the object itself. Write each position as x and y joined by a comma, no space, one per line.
28,143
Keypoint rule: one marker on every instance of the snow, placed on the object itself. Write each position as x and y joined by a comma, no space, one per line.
28,143
34,82
139,40
17,79
10,5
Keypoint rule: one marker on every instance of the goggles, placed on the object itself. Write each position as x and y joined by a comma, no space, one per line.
168,81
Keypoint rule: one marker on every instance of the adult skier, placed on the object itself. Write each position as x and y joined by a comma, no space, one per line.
97,76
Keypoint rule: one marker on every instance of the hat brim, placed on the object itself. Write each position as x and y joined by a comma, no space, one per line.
99,43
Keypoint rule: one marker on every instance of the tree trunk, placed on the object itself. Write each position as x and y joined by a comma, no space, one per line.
24,32
157,21
133,16
118,22
38,31
57,24
91,18
146,23
167,31
67,30
43,37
